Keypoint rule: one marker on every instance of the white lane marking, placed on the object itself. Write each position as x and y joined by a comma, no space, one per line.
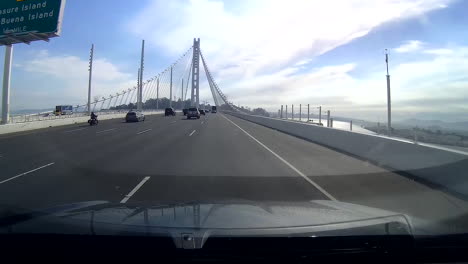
144,131
24,173
130,194
202,122
285,162
107,130
78,129
173,122
192,133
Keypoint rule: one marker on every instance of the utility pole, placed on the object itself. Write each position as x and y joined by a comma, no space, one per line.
91,55
389,101
286,111
328,118
6,84
140,87
308,112
170,92
281,112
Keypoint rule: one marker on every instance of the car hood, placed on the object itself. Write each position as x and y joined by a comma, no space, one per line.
204,219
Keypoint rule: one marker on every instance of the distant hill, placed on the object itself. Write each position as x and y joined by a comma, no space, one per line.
433,124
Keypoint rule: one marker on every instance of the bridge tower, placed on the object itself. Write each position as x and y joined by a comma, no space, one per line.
195,96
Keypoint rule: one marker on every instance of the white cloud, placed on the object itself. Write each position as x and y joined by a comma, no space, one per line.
67,78
439,51
266,35
431,84
410,46
265,43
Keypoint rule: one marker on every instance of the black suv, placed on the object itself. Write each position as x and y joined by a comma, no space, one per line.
169,112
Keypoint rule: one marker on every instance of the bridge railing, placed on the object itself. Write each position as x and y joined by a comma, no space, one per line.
51,116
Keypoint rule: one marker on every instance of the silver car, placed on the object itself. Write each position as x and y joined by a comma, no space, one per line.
193,112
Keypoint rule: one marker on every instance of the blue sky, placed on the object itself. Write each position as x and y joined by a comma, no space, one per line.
264,53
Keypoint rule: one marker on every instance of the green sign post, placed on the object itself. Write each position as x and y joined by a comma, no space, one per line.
23,21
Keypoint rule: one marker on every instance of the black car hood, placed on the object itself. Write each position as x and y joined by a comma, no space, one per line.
201,220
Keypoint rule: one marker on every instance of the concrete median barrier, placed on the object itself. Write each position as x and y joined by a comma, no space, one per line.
69,120
443,169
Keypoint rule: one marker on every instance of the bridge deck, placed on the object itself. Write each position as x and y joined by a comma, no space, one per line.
215,158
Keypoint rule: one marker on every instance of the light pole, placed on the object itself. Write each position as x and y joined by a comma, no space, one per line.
389,101
91,55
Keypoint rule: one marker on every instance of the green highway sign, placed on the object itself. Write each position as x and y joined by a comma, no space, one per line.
23,21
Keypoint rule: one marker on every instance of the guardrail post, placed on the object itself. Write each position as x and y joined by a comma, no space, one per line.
292,112
328,118
331,122
308,112
351,125
281,111
286,111
320,115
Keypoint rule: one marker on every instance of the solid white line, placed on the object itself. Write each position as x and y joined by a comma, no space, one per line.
285,162
191,133
75,130
124,200
107,130
24,173
144,131
173,122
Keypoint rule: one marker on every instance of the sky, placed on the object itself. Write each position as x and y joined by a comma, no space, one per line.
263,53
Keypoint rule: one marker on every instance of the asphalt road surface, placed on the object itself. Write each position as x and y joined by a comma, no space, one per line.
215,158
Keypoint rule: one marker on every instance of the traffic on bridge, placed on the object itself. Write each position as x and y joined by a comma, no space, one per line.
170,163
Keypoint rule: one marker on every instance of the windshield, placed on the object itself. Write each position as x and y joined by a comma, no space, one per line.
330,112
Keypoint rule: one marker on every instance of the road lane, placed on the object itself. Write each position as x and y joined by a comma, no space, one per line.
219,162
357,181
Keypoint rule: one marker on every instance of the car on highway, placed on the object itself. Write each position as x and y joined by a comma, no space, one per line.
213,109
185,110
202,112
193,112
169,112
134,116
